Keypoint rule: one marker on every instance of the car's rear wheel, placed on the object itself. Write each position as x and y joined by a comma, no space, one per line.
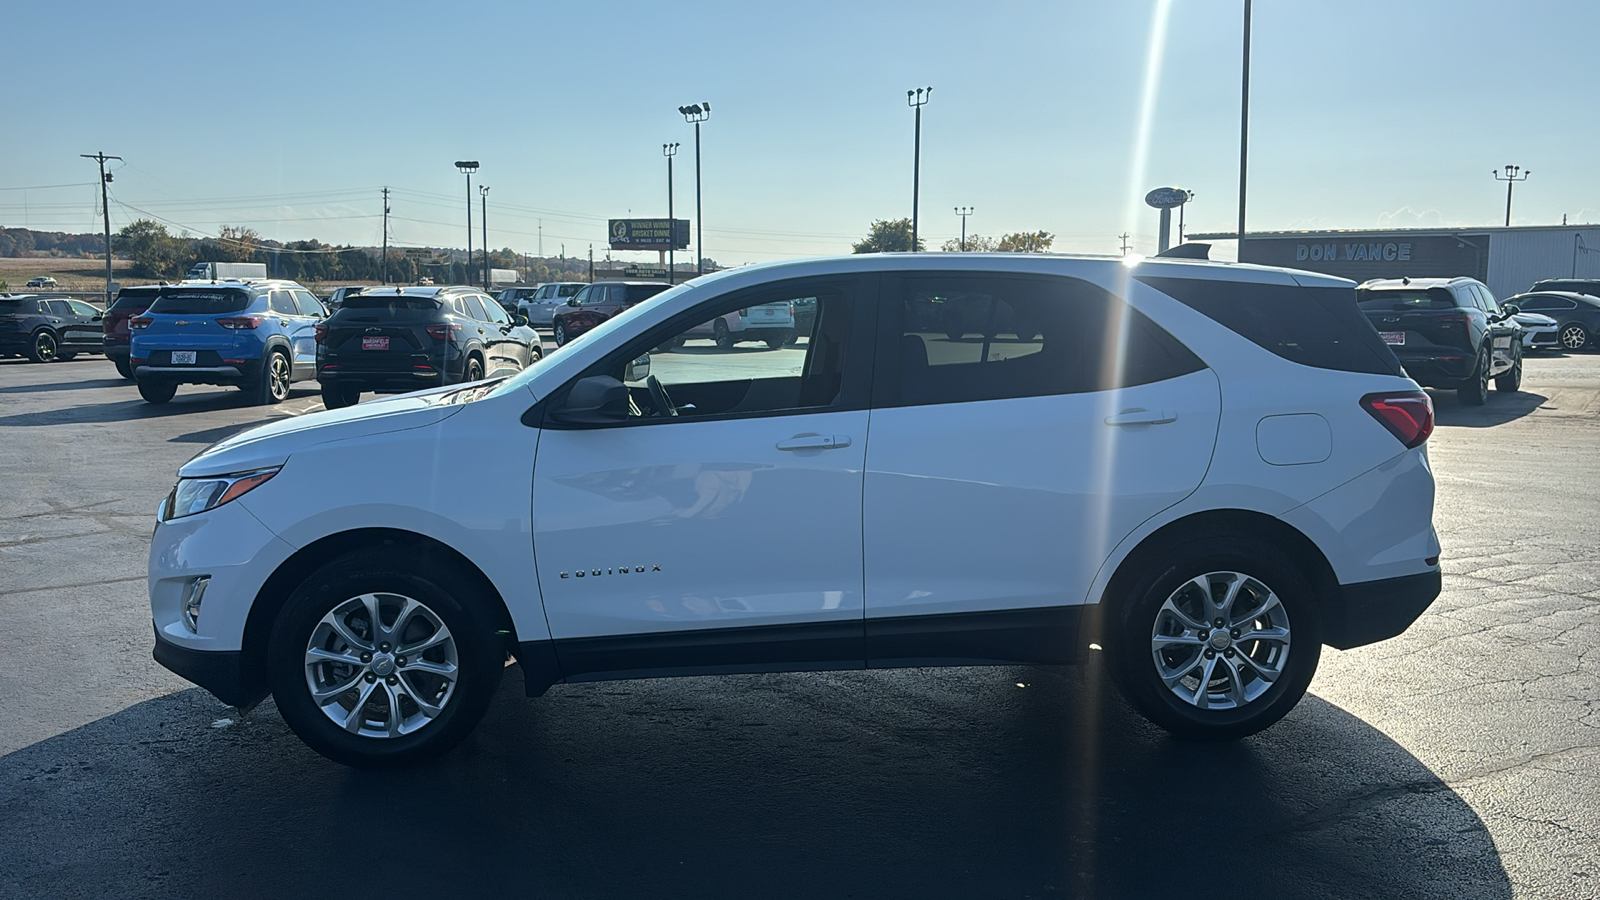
561,333
1574,336
1218,640
382,659
43,349
1511,379
473,371
124,368
338,396
272,385
721,334
774,343
157,391
1475,390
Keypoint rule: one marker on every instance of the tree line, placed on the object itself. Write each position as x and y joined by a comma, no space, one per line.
894,236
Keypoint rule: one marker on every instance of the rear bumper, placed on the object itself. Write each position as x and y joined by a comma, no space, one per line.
1444,370
191,374
1372,611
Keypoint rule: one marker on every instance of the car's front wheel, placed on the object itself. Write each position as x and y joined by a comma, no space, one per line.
1217,641
721,334
382,659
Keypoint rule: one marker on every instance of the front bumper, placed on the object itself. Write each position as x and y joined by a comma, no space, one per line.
1542,339
1372,611
219,671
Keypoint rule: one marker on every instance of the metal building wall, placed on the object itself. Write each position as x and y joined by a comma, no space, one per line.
1518,259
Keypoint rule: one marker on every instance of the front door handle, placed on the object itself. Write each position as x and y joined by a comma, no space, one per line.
815,442
1142,417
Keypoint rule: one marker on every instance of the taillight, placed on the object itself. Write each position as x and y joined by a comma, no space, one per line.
446,332
241,323
140,321
1407,414
1454,320
320,330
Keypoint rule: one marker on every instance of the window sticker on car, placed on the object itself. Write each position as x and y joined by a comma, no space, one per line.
1393,337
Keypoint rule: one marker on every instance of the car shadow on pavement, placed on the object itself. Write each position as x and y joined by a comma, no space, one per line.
945,783
1502,407
200,400
68,386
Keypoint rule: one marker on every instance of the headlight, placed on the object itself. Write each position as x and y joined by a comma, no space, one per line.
196,495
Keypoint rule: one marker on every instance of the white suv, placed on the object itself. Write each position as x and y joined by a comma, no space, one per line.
1208,470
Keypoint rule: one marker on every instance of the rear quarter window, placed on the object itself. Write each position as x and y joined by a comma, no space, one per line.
638,293
200,302
1318,327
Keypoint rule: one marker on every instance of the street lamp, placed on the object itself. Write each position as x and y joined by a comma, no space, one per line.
1244,125
963,212
695,113
1510,178
669,151
483,197
917,99
467,167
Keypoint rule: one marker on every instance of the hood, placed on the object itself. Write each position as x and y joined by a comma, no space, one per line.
1533,319
273,443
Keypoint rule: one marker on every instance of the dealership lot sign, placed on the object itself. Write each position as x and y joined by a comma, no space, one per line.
1387,251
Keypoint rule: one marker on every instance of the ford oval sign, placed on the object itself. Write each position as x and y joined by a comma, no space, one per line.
1167,197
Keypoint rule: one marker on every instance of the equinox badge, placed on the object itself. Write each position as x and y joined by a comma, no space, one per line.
618,570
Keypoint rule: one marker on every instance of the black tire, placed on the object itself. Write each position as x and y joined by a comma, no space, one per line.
473,371
124,368
561,333
444,591
1137,613
1573,336
43,347
271,384
335,396
721,334
776,343
1510,380
157,391
1475,390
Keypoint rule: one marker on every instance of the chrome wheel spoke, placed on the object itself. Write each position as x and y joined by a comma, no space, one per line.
324,696
1173,676
1269,635
391,633
1265,673
1235,690
1268,603
392,727
339,627
343,667
317,655
1202,692
428,709
352,720
1225,608
428,643
1163,641
1228,667
1188,621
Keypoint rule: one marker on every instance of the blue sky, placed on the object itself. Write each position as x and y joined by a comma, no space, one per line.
289,116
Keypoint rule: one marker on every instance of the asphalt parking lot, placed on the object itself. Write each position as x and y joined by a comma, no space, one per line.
1459,760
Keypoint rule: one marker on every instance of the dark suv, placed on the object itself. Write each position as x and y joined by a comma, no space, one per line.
395,340
130,302
1447,332
599,302
48,327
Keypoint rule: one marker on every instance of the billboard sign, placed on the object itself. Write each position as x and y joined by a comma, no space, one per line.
1167,197
648,234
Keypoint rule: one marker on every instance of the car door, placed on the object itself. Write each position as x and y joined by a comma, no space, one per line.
298,330
1021,427
86,332
727,536
505,346
1504,332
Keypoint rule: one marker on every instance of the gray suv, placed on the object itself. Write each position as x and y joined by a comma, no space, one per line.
539,303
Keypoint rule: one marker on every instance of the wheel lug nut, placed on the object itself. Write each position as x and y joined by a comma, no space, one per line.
1204,635
1234,632
1228,653
401,660
366,657
371,678
1219,623
1211,654
384,648
393,679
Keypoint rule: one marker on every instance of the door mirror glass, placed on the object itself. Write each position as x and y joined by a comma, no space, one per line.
573,302
639,369
595,400
1512,309
522,321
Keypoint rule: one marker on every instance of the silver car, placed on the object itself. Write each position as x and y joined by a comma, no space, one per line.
540,306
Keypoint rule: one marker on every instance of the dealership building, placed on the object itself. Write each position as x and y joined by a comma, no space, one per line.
1508,260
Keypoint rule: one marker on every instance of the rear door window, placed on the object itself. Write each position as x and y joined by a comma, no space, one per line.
474,308
59,308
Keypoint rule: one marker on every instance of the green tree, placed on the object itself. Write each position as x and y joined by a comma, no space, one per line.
235,243
154,252
888,236
976,243
1026,242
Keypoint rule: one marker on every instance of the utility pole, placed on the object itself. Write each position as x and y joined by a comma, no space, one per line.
697,113
1511,179
917,99
386,235
963,212
591,263
483,194
1124,236
1244,125
669,151
105,210
467,167
541,239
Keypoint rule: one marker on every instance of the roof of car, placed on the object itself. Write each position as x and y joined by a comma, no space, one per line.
632,282
1383,284
420,290
1568,295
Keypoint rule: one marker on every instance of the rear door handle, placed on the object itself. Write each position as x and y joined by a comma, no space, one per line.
815,442
1142,417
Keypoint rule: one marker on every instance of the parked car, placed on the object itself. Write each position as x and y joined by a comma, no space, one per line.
41,281
1234,479
595,303
394,340
129,302
1577,315
46,328
1447,332
254,335
1538,330
540,304
768,323
339,295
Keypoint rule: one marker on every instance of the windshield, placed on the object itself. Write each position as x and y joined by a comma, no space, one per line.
205,303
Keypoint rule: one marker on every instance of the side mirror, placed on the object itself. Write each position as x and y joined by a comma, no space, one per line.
1511,309
521,320
573,302
639,369
596,400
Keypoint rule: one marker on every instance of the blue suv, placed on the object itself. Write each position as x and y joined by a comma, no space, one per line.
258,335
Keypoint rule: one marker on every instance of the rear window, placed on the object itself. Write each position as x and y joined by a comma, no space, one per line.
638,293
570,289
389,301
1319,327
14,307
129,299
1404,300
201,302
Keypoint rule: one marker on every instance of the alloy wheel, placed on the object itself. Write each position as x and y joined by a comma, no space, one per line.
278,377
44,347
1573,337
381,665
1221,640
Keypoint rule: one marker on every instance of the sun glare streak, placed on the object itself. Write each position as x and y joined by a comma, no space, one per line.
1155,53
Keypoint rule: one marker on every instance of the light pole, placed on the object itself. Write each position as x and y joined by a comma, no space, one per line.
105,209
917,99
467,167
1510,178
1244,125
696,113
669,151
963,212
1188,195
483,197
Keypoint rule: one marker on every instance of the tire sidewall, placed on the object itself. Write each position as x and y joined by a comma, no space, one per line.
44,347
1134,616
480,662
